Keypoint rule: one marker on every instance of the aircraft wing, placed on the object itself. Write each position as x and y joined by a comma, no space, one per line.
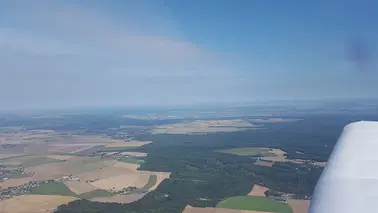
349,182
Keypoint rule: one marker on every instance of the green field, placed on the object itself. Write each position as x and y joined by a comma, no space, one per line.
18,175
95,193
151,182
255,204
13,158
39,161
131,160
118,149
55,188
249,151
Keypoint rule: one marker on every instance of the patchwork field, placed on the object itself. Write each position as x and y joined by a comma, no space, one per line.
131,160
15,182
255,203
75,165
267,156
39,161
48,136
7,156
116,169
96,193
132,143
204,126
16,159
79,187
33,203
152,180
258,190
122,181
60,157
130,166
58,160
160,176
55,188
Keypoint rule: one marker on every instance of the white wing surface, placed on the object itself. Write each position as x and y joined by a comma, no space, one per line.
349,183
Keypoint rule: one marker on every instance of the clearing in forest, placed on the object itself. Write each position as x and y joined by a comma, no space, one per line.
267,156
258,190
264,163
255,203
33,203
251,151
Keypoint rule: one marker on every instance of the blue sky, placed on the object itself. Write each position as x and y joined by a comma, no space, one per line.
131,53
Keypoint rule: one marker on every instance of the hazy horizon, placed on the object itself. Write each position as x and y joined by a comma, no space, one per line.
69,54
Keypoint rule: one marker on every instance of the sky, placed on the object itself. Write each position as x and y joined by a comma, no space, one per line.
56,54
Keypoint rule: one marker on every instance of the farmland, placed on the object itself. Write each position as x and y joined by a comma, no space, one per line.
39,161
152,179
299,206
79,187
204,126
47,164
258,190
95,193
267,156
190,209
255,203
52,189
34,203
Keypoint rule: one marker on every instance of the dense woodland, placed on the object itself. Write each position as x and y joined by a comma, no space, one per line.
198,171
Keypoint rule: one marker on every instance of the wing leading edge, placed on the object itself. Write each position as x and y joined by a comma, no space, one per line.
349,183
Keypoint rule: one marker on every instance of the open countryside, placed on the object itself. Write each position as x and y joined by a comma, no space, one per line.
255,203
59,164
267,167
